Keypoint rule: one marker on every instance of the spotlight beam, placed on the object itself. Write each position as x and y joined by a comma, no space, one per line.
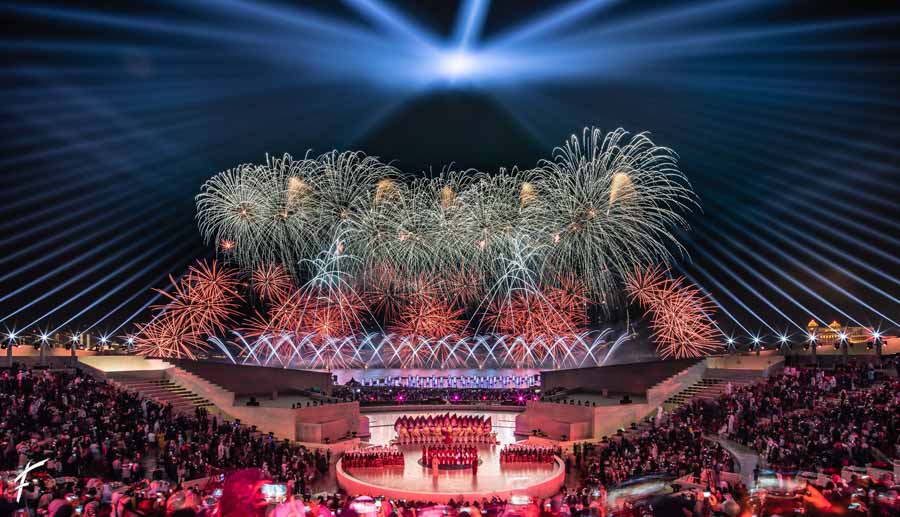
776,250
772,267
766,195
743,283
469,22
548,22
144,290
124,267
161,258
390,19
713,298
832,249
83,273
121,223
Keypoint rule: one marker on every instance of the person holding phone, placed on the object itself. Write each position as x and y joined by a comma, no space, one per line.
242,494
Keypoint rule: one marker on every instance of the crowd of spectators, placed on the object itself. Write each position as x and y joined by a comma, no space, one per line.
807,420
87,428
804,419
674,447
109,452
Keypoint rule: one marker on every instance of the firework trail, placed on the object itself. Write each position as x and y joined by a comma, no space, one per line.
603,204
328,240
271,282
680,314
203,303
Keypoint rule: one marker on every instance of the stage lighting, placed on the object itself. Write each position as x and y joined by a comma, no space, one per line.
44,337
457,65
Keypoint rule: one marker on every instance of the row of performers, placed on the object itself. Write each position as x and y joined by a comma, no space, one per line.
445,428
528,454
373,457
455,455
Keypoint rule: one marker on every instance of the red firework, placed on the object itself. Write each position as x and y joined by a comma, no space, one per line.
206,299
430,318
334,314
462,287
646,285
271,282
386,292
680,314
534,318
167,337
202,303
569,298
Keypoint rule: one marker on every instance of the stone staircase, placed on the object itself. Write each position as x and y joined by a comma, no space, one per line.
165,391
712,385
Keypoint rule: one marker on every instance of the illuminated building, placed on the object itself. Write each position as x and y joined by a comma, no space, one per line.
833,333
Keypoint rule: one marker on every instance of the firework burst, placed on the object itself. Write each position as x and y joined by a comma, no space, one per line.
610,203
169,338
271,282
680,314
430,318
602,205
524,253
203,303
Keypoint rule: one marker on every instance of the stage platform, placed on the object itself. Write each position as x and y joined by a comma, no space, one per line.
415,482
381,425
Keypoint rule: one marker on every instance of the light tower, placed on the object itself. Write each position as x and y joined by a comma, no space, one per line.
812,334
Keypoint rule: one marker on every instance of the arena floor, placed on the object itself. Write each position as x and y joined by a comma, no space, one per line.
415,481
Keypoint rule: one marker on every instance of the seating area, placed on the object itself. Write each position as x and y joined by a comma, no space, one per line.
107,448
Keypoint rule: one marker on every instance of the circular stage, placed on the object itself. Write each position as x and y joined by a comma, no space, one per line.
417,483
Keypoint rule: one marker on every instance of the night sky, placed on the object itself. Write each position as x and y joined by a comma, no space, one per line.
784,115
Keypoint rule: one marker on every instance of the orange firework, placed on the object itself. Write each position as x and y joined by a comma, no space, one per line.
430,318
167,337
271,282
201,304
569,299
208,299
537,322
646,285
386,292
432,328
463,287
680,314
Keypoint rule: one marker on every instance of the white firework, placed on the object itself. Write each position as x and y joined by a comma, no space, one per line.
610,202
603,205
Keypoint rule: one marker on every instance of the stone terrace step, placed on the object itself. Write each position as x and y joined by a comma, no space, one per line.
165,391
713,384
